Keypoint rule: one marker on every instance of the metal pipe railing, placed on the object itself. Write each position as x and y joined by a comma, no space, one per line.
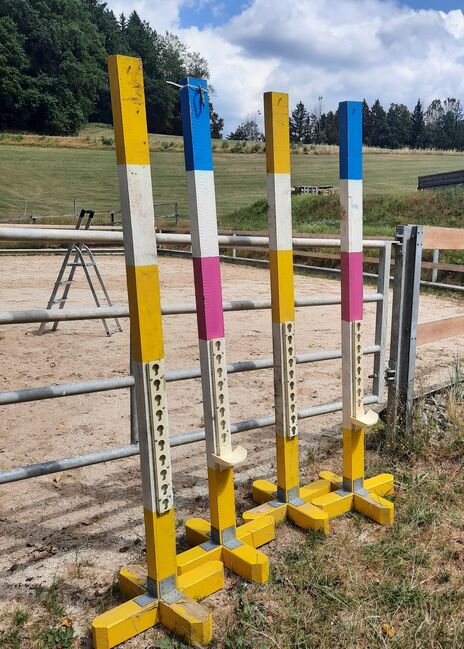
33,316
73,462
52,234
65,390
111,236
117,383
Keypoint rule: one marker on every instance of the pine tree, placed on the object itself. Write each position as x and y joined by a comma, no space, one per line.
380,135
299,123
399,126
418,125
366,123
216,123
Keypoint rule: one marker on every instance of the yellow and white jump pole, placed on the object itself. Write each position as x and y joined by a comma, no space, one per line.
220,538
158,594
351,490
287,498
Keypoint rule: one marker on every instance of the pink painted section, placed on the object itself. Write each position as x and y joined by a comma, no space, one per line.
208,293
352,286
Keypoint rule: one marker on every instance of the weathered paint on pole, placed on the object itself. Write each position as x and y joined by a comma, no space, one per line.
156,597
352,490
286,499
220,456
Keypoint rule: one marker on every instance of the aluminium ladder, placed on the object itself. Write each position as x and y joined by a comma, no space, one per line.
79,249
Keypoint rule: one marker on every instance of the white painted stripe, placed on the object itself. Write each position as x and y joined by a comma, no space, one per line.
202,210
279,199
138,216
351,213
347,370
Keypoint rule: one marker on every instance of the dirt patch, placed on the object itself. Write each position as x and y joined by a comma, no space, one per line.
82,525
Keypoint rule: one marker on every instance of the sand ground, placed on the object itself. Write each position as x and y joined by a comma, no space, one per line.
92,516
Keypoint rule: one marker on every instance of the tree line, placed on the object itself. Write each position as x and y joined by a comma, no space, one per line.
53,66
439,126
53,79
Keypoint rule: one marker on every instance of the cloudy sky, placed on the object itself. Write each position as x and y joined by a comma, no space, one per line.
395,50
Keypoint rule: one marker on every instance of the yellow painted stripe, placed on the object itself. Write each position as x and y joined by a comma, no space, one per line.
287,462
145,312
276,125
353,453
221,498
160,531
129,113
282,290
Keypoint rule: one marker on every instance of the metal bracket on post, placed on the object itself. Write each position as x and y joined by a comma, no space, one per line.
289,384
225,457
156,388
402,364
360,418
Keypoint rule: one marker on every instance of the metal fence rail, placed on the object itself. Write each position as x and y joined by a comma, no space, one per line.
112,236
30,316
65,464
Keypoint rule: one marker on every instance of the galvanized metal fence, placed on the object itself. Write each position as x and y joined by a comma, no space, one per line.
379,297
406,332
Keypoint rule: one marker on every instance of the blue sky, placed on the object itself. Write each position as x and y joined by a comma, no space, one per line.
390,50
200,13
209,13
441,5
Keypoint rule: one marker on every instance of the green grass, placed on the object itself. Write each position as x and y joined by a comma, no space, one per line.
367,586
382,212
49,177
364,586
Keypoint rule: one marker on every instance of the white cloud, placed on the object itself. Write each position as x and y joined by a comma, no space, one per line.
340,49
161,14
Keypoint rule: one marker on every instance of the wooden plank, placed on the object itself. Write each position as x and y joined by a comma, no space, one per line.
451,268
429,332
443,238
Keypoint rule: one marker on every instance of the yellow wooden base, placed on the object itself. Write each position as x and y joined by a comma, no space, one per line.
322,502
186,618
197,583
244,560
369,502
304,515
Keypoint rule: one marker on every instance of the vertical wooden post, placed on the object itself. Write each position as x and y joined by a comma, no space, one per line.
155,593
282,292
351,197
351,490
221,458
286,499
133,161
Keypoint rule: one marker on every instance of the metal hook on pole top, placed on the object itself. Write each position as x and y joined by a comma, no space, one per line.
198,88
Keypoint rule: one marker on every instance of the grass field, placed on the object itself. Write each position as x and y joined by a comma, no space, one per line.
363,587
49,177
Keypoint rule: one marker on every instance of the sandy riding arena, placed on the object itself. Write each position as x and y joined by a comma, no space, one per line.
83,524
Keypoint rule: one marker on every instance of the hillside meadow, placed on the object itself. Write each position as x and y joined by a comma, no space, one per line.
43,180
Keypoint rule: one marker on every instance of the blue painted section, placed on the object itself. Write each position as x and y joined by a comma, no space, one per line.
195,122
350,116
